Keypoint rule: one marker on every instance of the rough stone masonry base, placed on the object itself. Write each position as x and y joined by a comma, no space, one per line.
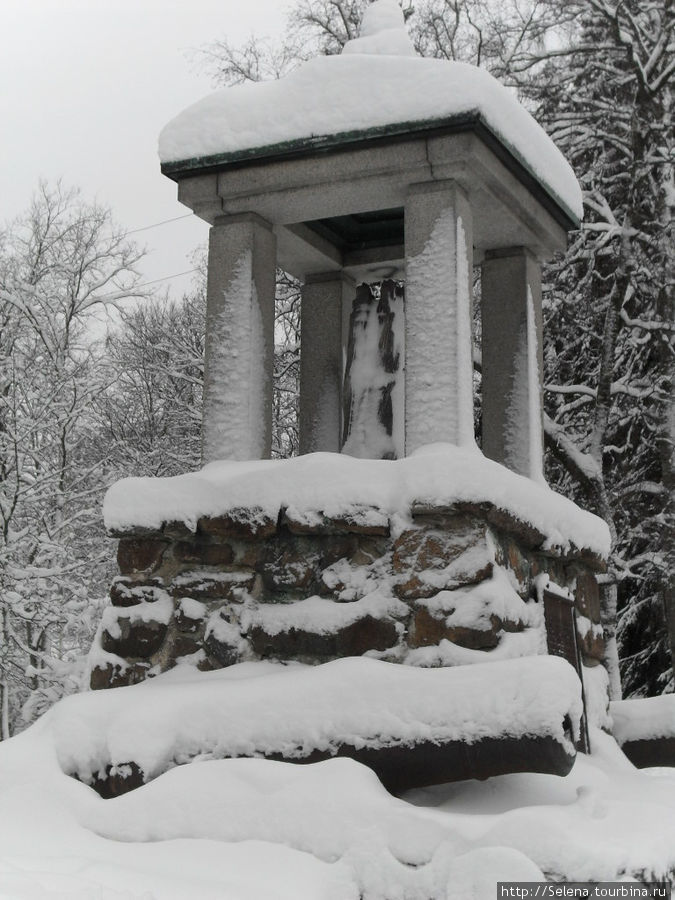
245,586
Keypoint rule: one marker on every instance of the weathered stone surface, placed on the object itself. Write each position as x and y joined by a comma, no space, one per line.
587,595
519,564
508,625
102,677
419,549
140,555
651,752
134,532
364,520
585,557
429,511
239,524
216,585
177,531
207,664
292,644
365,634
223,647
529,536
428,631
125,592
118,781
251,554
186,620
242,555
368,633
294,562
112,675
204,553
368,550
137,638
324,549
333,547
122,593
403,767
332,585
592,646
291,570
593,561
548,565
434,559
183,645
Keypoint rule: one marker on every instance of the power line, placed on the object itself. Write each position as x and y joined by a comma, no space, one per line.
146,284
157,224
166,278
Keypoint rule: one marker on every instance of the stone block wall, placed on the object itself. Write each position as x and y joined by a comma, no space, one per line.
442,586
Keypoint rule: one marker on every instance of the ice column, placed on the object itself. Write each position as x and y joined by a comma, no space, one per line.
438,353
239,355
324,298
512,360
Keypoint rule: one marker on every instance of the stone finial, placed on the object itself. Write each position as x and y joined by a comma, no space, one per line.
382,32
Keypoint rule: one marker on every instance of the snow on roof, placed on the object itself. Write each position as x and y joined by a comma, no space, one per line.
377,81
337,485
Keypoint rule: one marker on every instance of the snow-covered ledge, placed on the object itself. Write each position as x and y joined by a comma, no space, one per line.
334,485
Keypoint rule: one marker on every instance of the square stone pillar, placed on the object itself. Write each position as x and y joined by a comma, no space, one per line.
512,361
239,356
438,351
324,298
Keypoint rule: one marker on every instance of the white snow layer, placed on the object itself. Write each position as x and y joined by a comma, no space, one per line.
382,15
236,358
252,829
473,607
439,376
294,710
337,485
382,31
371,84
319,615
643,718
524,436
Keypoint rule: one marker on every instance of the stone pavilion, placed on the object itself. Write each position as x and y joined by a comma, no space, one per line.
374,166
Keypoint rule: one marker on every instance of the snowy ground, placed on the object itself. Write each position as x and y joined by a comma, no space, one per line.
253,829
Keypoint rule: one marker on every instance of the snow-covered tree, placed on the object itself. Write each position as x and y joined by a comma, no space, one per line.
605,98
149,417
286,367
61,266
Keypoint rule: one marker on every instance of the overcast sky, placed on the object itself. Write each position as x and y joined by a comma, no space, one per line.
85,88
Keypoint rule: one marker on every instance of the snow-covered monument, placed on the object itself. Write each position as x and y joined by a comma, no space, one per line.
392,535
